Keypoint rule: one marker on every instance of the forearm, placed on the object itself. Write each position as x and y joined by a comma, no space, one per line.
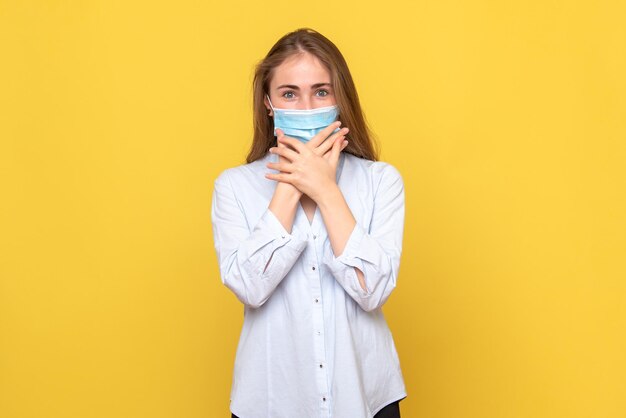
339,223
284,204
253,260
374,248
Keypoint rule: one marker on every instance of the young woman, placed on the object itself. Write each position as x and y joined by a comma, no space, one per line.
308,235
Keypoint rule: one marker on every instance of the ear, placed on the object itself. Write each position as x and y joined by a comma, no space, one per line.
267,106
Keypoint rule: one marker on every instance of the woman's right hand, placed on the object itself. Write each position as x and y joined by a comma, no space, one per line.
321,144
286,196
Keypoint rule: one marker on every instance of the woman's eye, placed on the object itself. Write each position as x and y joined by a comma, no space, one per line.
288,95
322,93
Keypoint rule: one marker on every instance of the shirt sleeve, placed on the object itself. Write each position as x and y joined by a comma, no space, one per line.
252,261
376,252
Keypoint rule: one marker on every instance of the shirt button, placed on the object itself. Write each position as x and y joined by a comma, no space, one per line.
317,300
314,236
313,267
324,399
319,333
321,366
283,237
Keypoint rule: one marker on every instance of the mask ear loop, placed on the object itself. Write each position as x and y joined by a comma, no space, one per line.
270,102
268,99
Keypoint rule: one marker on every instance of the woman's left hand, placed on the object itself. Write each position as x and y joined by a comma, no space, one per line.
310,173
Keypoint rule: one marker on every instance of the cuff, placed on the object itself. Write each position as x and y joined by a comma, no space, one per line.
352,256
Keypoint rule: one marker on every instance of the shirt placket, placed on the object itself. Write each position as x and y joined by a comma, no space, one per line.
315,285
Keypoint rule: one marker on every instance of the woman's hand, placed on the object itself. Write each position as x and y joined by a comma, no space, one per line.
313,143
286,188
310,167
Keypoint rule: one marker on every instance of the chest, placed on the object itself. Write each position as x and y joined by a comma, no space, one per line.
254,193
308,205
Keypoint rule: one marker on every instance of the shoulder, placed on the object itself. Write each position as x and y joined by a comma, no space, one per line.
242,174
379,172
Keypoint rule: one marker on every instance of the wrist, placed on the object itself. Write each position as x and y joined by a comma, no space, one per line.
329,196
288,192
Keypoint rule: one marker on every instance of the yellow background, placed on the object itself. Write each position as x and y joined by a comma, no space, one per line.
506,119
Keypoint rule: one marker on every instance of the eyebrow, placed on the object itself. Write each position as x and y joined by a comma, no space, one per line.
294,87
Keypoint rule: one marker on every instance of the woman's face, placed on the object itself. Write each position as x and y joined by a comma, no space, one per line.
300,82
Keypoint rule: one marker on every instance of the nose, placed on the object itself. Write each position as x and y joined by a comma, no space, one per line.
305,103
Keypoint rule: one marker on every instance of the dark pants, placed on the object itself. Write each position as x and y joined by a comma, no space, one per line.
390,411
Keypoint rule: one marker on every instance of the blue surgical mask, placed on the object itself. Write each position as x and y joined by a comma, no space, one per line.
304,124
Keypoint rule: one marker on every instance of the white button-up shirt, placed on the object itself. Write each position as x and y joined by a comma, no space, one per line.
313,342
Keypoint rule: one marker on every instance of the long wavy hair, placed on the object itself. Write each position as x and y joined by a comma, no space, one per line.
360,138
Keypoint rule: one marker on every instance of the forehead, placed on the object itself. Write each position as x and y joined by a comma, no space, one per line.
300,69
